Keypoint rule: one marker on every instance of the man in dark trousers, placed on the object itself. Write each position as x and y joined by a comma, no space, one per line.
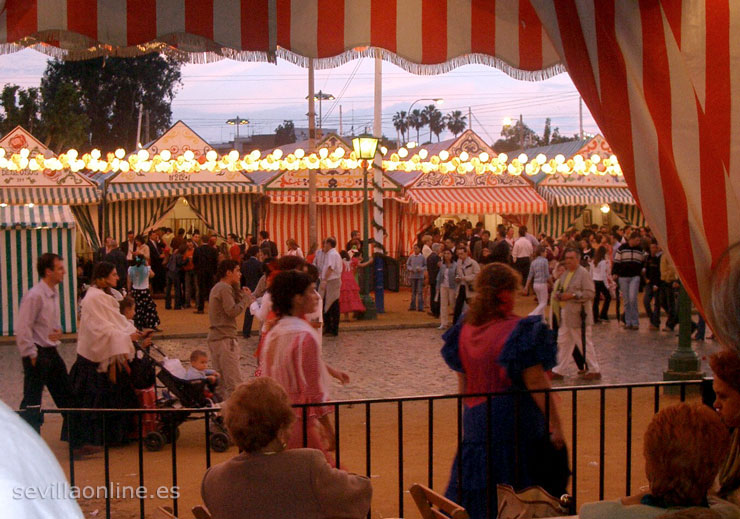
118,258
205,259
252,271
501,251
38,332
432,271
266,242
155,259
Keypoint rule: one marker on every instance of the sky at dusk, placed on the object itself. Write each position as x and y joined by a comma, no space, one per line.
267,94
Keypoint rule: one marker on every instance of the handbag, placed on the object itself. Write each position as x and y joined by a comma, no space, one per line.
530,502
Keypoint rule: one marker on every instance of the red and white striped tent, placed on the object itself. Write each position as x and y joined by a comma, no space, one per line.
659,76
339,203
436,194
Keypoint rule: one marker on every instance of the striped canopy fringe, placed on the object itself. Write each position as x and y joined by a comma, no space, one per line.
136,215
140,191
559,219
630,214
50,195
20,249
477,200
422,37
40,216
661,81
225,213
578,195
87,223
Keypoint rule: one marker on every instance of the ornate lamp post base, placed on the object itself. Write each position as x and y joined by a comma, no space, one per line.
683,363
370,313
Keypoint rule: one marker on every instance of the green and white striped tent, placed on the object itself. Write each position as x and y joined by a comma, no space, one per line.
224,206
569,195
25,234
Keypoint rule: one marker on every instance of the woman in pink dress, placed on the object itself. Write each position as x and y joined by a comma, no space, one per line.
349,295
291,354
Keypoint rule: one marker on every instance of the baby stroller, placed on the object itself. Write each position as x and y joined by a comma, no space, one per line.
175,392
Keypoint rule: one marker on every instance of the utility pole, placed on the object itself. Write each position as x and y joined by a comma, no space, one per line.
146,126
521,131
580,115
312,219
138,130
340,120
470,118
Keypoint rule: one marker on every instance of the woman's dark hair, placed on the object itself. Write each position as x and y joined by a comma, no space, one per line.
599,255
225,266
488,303
252,251
46,262
102,270
725,365
289,263
140,238
345,255
284,287
312,271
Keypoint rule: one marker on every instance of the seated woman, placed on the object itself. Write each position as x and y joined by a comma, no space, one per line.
265,479
100,376
684,446
726,367
497,351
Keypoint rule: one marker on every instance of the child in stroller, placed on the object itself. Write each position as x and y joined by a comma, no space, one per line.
198,370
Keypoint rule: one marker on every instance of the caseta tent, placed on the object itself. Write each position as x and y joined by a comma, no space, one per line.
25,234
21,185
570,195
339,202
471,193
138,200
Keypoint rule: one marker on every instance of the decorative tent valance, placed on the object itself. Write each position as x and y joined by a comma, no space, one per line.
124,191
574,195
82,195
480,200
300,197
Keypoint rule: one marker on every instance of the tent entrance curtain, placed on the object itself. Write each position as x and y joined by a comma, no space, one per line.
136,215
86,217
630,214
559,219
232,213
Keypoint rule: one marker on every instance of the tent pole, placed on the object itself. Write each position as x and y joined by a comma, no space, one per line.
312,220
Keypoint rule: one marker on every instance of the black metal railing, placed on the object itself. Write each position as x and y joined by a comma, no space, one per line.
422,417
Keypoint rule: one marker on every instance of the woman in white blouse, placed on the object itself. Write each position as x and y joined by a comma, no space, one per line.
293,248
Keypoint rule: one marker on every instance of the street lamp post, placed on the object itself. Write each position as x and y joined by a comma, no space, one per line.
322,96
237,121
365,147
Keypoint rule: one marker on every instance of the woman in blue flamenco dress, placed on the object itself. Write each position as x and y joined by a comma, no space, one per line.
495,351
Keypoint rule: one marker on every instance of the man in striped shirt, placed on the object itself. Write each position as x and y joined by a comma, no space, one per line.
628,264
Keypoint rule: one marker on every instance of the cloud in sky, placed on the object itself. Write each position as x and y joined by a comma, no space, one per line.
267,94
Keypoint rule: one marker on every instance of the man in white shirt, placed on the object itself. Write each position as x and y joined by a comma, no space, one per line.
521,253
426,248
331,284
38,332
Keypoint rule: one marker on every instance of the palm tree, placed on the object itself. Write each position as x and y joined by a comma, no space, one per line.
436,124
401,124
456,122
427,114
417,122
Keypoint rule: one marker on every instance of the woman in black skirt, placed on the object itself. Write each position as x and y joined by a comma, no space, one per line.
138,285
100,375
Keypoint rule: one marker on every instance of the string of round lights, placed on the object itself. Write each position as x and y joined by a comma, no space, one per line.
403,159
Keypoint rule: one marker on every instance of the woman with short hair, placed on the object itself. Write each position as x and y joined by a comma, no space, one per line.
265,479
293,248
684,447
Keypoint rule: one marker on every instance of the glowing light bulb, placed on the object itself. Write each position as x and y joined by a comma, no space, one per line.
484,157
120,153
165,155
423,154
25,153
211,156
403,153
323,153
559,158
464,156
541,159
95,154
523,158
189,155
444,155
233,155
143,155
277,153
299,153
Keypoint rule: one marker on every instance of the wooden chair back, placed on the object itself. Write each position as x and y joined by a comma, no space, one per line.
200,512
432,505
164,512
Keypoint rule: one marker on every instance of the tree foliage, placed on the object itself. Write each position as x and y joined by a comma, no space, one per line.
456,122
518,136
285,133
110,91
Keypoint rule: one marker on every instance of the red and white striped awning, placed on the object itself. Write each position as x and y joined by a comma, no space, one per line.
300,197
420,36
478,200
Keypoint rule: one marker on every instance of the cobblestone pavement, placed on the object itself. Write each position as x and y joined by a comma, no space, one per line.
393,363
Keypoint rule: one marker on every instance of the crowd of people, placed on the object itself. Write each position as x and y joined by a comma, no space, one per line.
691,453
